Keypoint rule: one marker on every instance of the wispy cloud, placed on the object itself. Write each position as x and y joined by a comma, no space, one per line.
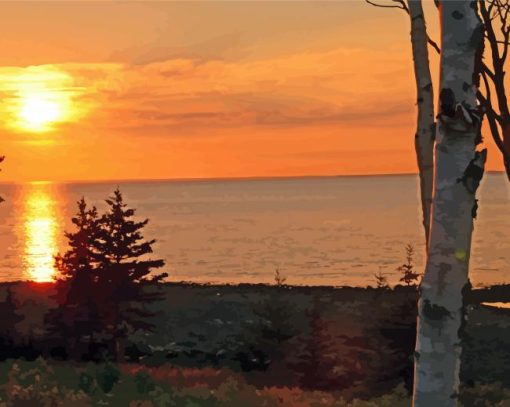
295,90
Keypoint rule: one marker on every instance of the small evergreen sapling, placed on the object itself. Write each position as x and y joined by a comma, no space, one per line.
381,280
409,275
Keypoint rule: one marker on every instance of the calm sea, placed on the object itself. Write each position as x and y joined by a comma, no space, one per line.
337,231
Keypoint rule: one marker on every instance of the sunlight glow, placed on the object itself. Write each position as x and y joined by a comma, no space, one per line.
37,112
39,98
40,229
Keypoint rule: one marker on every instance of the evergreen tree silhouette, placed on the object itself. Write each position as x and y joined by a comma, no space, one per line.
318,360
273,329
381,280
76,316
409,275
9,319
124,277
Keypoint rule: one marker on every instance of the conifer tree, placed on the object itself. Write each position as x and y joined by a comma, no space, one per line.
381,280
319,364
77,315
273,328
9,319
124,273
409,275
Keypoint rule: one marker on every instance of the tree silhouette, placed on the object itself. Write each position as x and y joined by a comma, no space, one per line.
409,275
10,317
123,275
495,15
77,314
381,280
319,364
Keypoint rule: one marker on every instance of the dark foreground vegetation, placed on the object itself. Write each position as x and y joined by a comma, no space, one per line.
266,345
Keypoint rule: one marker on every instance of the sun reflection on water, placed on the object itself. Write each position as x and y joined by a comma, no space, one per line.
40,229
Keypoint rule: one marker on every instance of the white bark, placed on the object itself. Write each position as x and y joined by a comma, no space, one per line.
425,126
458,171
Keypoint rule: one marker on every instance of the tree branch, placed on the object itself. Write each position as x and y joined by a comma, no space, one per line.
401,5
492,118
433,44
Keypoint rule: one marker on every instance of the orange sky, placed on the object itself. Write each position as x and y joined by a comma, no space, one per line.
208,89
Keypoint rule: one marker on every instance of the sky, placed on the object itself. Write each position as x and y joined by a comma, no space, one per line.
102,90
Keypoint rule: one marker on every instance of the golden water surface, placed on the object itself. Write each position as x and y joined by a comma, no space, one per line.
40,230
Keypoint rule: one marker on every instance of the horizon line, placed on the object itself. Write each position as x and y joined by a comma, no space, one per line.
218,179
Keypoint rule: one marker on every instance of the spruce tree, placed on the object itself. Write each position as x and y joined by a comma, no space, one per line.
76,316
319,364
409,275
381,280
124,273
10,317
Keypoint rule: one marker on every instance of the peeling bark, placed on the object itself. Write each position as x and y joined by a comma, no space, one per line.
458,170
425,126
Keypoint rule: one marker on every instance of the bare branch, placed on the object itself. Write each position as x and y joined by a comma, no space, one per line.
390,5
492,117
488,71
403,4
433,44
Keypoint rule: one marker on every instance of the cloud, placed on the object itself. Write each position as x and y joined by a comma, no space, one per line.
294,90
299,90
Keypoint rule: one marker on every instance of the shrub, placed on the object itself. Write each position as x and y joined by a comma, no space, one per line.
35,384
484,395
107,376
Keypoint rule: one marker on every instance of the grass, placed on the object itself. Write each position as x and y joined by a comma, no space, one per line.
60,384
45,384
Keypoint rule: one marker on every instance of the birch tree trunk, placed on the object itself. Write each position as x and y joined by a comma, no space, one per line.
425,127
457,174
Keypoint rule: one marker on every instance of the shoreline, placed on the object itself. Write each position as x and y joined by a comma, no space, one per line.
499,293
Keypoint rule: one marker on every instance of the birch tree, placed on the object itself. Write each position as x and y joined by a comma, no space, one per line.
458,169
425,127
425,124
457,172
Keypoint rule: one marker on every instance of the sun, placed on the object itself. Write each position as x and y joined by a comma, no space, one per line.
41,99
39,111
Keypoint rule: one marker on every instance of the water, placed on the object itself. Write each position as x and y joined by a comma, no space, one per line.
337,231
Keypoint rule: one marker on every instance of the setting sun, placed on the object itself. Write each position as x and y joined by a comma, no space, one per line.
39,99
37,112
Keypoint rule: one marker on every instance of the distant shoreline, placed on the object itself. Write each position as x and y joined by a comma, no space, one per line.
221,179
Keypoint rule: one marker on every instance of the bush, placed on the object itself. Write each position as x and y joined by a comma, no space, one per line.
107,376
485,395
36,384
144,383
